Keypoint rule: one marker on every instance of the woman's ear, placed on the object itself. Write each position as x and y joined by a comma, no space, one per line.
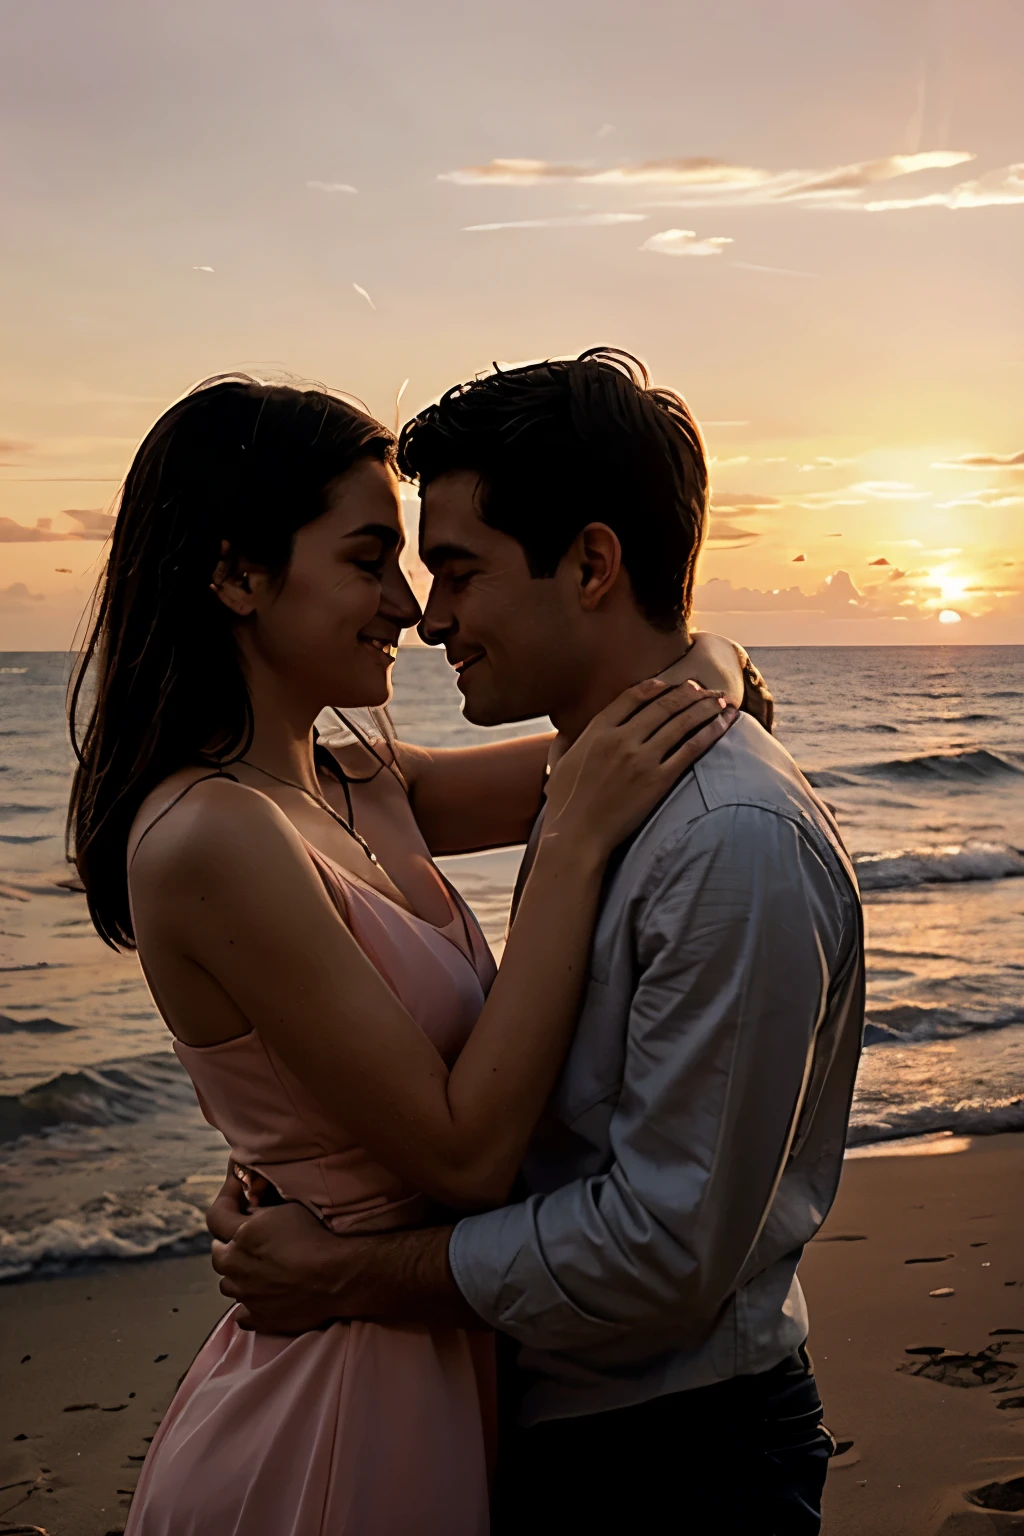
231,584
599,561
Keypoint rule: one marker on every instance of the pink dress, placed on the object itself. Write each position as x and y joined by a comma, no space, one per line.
357,1429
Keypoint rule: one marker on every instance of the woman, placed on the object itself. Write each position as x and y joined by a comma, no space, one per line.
326,992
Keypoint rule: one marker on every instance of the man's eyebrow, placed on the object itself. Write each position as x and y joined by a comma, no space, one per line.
387,535
441,554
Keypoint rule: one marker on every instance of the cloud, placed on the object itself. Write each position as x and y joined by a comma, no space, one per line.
202,269
566,221
742,501
16,533
330,186
985,461
11,451
18,595
837,592
798,559
821,461
701,181
91,525
987,498
95,524
880,561
684,242
514,173
731,534
891,490
755,266
364,295
995,189
837,597
822,500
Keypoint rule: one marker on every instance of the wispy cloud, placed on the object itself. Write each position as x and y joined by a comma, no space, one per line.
821,461
891,490
202,269
856,495
756,266
330,186
985,461
684,242
740,502
991,497
731,535
565,221
995,189
11,451
701,181
364,295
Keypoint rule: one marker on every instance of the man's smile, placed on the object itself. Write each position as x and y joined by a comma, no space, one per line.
463,663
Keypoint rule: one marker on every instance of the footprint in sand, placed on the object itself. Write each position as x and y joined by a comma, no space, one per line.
1006,1496
956,1369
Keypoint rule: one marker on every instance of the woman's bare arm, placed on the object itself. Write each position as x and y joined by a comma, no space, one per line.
238,895
468,798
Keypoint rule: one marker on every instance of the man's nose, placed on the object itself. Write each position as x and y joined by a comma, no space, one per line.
437,624
433,632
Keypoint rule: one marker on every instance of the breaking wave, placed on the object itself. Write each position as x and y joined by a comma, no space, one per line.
912,1023
905,868
140,1224
971,1117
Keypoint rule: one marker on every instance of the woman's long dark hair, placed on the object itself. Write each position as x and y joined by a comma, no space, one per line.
159,681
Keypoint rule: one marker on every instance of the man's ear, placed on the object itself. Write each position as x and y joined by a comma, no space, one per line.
232,583
598,558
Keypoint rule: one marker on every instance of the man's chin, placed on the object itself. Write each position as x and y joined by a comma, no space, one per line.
481,706
482,711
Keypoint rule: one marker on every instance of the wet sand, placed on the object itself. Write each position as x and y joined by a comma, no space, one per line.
106,1348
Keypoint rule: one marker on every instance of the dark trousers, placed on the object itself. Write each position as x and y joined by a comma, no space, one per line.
747,1456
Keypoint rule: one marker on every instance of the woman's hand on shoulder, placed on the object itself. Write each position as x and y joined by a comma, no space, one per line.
628,758
716,662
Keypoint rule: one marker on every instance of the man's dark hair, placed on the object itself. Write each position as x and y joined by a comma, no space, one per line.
564,443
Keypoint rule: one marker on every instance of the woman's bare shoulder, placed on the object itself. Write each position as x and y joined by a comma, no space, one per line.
197,817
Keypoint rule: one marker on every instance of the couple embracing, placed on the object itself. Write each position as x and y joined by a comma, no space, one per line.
511,1251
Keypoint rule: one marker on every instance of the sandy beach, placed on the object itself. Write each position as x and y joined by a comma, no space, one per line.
90,1361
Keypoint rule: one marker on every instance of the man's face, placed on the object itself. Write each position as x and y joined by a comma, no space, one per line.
516,641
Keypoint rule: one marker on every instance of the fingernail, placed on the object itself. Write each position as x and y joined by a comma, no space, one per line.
655,683
722,701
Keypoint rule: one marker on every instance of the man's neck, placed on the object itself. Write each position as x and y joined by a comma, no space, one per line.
644,653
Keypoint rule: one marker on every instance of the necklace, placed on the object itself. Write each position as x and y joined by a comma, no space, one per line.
321,802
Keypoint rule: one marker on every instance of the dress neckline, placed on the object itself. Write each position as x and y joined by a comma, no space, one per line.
449,931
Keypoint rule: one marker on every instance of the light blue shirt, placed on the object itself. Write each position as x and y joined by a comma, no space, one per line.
694,1141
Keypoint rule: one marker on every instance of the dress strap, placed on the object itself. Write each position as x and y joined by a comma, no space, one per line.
219,773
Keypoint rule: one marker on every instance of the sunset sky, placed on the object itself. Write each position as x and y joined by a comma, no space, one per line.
806,215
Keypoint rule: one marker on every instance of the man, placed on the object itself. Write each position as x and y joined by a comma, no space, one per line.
694,1142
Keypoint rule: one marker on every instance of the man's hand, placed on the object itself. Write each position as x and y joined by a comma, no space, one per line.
282,1267
290,1274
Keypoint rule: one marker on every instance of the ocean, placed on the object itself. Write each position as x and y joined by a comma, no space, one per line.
920,751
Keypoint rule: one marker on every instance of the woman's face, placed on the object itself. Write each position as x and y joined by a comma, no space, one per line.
329,627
